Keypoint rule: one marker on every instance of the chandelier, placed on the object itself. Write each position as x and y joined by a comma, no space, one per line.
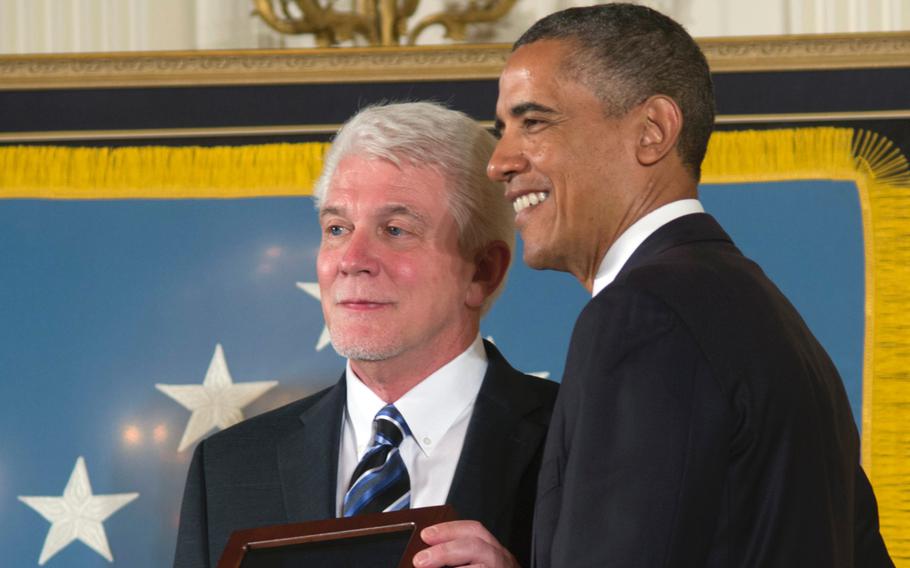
379,22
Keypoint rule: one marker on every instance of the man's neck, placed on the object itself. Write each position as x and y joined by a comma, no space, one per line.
662,189
391,378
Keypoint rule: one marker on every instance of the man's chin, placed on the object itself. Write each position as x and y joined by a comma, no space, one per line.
536,258
365,351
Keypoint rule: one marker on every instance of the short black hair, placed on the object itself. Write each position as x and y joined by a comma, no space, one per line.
626,53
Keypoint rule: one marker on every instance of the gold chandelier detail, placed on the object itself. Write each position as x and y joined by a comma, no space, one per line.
380,22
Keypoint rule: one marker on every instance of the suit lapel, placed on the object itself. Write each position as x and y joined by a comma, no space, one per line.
308,459
499,445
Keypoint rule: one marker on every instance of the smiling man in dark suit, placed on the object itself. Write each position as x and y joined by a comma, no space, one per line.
416,243
699,422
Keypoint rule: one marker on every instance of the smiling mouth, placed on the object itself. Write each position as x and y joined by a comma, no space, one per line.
522,202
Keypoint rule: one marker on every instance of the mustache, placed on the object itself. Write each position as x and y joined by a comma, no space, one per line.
521,183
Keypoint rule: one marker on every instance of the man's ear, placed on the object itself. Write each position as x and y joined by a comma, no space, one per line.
661,124
491,265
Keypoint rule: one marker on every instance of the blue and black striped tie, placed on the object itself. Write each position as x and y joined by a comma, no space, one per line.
380,482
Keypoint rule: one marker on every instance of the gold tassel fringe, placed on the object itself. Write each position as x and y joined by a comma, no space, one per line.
159,172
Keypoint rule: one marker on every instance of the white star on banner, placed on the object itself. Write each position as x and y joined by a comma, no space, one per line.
312,288
217,402
77,514
539,374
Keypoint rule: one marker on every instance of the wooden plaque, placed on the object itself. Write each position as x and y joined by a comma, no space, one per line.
379,540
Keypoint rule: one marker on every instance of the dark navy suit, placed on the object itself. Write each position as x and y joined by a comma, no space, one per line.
281,467
700,423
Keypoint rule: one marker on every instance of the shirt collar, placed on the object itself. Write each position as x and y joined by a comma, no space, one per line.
619,253
431,407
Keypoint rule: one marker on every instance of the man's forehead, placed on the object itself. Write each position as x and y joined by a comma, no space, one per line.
531,73
355,167
379,200
549,54
380,187
347,205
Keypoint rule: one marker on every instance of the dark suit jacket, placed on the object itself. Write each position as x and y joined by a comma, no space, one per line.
700,423
281,467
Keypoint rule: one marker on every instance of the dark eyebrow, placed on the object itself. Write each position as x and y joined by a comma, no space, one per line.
518,110
524,108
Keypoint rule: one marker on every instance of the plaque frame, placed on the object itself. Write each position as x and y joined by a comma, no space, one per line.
277,536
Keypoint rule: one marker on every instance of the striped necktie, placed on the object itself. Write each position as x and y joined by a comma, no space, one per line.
380,482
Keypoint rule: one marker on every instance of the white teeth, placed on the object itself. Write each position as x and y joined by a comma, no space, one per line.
529,199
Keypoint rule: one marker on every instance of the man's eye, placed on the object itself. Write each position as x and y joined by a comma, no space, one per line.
394,231
335,230
531,122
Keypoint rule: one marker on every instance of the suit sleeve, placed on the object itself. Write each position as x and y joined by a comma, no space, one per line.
869,548
645,441
192,536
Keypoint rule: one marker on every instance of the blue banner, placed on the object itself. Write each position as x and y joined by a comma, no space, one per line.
129,329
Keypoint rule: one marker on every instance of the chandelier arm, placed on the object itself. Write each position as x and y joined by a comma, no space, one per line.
455,22
283,24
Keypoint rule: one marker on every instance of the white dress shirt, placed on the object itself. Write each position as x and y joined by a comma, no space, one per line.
620,252
437,411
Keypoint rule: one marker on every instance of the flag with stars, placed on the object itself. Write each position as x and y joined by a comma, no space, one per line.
131,329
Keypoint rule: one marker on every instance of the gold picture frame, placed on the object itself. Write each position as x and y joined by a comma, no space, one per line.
479,61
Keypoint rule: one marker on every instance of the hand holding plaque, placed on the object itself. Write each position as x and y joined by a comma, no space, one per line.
460,543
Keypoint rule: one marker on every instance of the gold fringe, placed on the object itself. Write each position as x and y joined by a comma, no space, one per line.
159,172
774,155
882,178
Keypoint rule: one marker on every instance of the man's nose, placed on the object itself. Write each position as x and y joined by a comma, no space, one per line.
507,161
359,256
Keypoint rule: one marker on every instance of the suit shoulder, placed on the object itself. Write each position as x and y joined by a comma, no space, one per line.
505,382
543,385
626,308
696,274
545,389
270,422
501,367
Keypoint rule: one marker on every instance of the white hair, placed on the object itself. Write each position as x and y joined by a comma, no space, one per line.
424,134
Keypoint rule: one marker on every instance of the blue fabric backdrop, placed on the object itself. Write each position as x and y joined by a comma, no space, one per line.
101,300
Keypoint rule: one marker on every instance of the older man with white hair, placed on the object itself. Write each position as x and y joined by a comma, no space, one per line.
416,243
